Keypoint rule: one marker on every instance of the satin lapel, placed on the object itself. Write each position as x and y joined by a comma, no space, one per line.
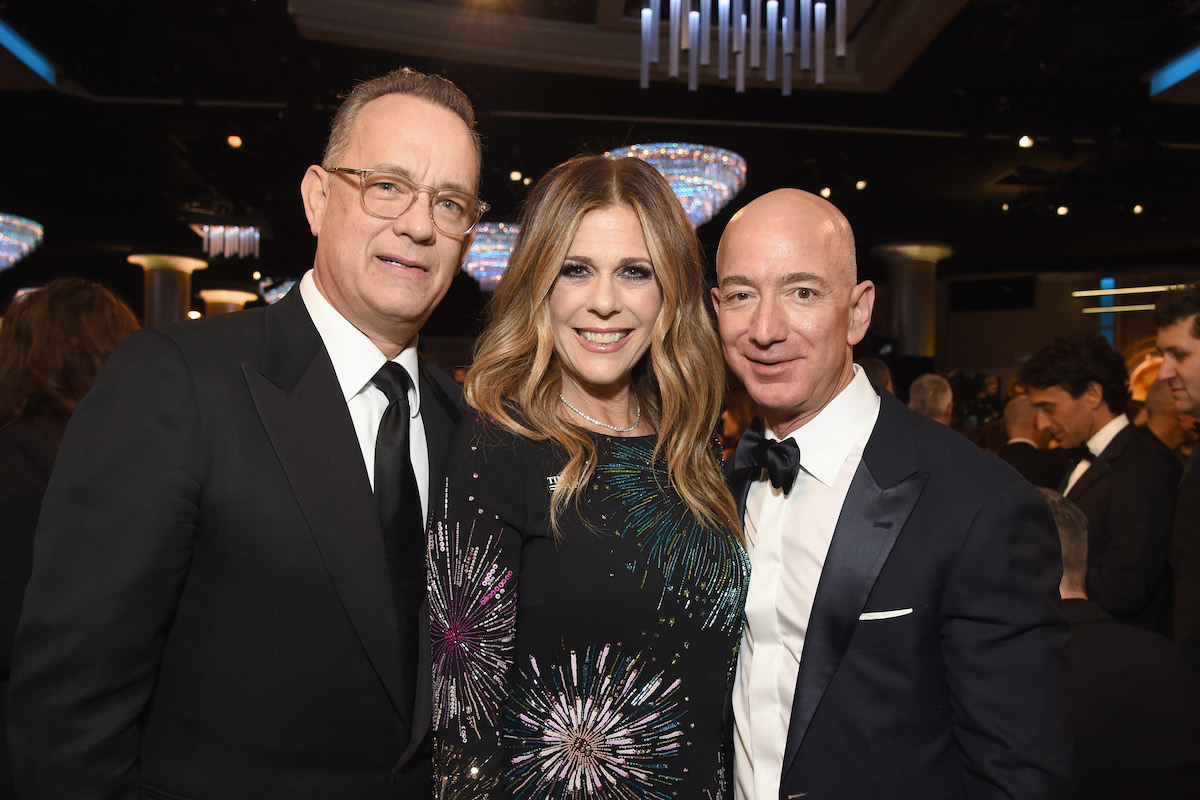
1103,462
884,491
305,417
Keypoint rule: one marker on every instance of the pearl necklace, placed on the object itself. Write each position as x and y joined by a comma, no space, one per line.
636,422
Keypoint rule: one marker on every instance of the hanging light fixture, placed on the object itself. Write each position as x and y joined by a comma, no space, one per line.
229,240
740,28
273,289
489,253
704,178
18,238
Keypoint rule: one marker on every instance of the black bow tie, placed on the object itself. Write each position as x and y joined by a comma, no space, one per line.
1080,453
781,460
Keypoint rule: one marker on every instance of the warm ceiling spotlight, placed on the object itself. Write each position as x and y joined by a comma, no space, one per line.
826,192
234,141
1025,141
1004,206
1062,211
194,314
860,185
527,180
256,275
515,175
1138,209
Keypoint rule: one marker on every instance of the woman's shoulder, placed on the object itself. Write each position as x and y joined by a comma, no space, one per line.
481,437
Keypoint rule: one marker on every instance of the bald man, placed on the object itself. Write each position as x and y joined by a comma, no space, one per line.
1026,447
903,638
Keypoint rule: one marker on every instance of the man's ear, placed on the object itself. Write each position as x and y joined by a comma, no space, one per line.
862,303
1093,394
467,241
314,191
715,294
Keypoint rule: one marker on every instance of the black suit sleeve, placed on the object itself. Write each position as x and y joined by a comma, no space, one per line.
1124,575
113,549
1003,641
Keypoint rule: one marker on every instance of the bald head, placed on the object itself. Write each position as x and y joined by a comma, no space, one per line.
1020,421
788,307
798,223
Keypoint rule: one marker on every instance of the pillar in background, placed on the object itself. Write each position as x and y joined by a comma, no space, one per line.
168,286
222,301
912,278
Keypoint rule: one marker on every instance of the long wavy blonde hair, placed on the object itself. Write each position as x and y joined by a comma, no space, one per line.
516,376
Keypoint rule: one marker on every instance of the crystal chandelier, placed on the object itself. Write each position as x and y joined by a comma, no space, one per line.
743,27
229,240
18,238
704,178
273,289
489,252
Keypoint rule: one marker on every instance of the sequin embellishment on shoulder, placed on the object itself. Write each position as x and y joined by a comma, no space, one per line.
472,609
668,535
596,727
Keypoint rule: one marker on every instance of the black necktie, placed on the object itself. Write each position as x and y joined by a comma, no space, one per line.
781,460
400,517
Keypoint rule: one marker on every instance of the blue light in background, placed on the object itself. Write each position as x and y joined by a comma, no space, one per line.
11,41
1108,322
1183,67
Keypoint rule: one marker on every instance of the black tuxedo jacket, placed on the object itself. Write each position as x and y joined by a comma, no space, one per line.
210,613
961,694
1128,495
1185,562
1046,468
1135,705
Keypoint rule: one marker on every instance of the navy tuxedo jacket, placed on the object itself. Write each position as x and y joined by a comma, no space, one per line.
210,613
963,694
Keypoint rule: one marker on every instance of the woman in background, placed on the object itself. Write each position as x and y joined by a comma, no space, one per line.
52,344
587,576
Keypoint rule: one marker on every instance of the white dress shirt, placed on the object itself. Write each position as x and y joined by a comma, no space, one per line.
1100,440
356,359
787,538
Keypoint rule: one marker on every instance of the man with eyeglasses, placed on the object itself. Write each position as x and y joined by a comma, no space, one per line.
228,595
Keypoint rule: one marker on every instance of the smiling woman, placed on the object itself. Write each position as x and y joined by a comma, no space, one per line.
590,472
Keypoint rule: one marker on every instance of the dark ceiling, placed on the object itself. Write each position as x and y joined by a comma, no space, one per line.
133,138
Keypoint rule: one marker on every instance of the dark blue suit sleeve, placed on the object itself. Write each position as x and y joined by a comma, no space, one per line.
1003,640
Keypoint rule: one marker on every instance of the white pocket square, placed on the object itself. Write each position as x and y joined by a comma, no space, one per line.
899,612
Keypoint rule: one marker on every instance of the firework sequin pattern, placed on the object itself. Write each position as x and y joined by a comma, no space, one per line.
472,614
668,535
600,726
588,663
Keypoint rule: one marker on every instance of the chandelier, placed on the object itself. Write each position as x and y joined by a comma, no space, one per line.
802,23
273,289
229,240
18,238
704,178
489,252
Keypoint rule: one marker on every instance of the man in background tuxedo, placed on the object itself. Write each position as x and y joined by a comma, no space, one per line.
1177,315
1125,478
1026,448
1135,704
227,598
902,632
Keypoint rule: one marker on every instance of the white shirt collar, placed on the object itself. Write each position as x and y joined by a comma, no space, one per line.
1018,439
355,358
825,440
1103,437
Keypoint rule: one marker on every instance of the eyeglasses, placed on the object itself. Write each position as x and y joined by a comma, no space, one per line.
387,195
